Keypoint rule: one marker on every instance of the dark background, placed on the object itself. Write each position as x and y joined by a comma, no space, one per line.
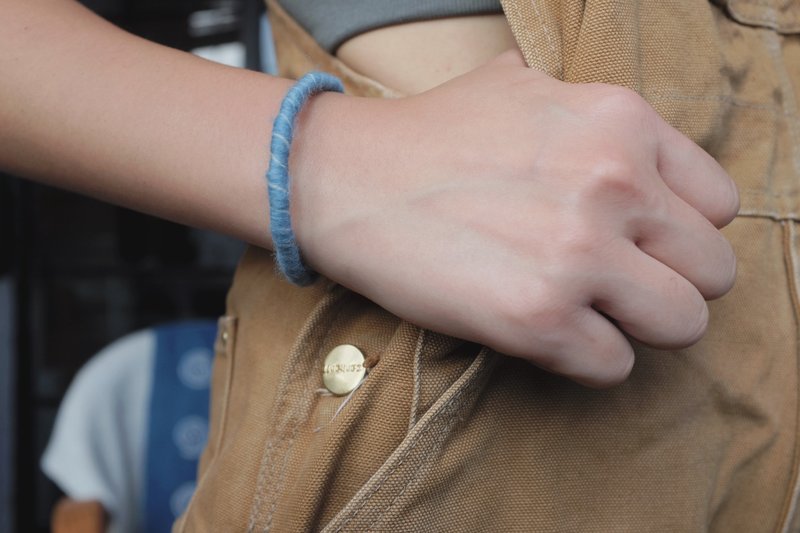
76,274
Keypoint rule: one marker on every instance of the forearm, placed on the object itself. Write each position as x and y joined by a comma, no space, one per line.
86,106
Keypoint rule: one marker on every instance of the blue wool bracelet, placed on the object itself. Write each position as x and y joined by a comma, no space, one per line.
287,253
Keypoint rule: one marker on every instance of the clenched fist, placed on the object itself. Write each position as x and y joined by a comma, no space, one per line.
543,219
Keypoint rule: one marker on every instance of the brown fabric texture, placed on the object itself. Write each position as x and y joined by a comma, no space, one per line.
445,435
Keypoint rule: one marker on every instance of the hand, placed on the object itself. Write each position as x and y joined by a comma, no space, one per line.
540,218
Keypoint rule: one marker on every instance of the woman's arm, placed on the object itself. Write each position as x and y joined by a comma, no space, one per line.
540,218
89,107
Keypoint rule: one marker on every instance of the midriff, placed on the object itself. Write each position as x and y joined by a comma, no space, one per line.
416,56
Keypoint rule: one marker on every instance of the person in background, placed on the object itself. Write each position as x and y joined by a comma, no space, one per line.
130,431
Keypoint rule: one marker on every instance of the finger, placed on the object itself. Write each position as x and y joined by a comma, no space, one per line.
696,177
684,240
593,353
650,301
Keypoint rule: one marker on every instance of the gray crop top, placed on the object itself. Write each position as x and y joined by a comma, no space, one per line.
331,22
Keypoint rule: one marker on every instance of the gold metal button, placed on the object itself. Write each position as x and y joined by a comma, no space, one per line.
344,369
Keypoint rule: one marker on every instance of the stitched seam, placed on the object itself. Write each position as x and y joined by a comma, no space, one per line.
766,3
726,98
789,104
537,12
266,465
230,327
766,192
290,444
411,446
452,413
791,262
791,259
258,499
770,215
524,37
417,378
413,477
221,327
771,15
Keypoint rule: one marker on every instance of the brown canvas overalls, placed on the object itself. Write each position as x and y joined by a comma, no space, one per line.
445,435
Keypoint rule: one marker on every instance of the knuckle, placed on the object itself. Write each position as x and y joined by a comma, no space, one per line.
578,243
622,101
532,328
613,168
541,312
616,177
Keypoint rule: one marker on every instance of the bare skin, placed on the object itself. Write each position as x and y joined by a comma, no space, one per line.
414,57
539,218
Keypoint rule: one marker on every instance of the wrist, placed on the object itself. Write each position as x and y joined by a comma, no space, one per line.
333,169
287,252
